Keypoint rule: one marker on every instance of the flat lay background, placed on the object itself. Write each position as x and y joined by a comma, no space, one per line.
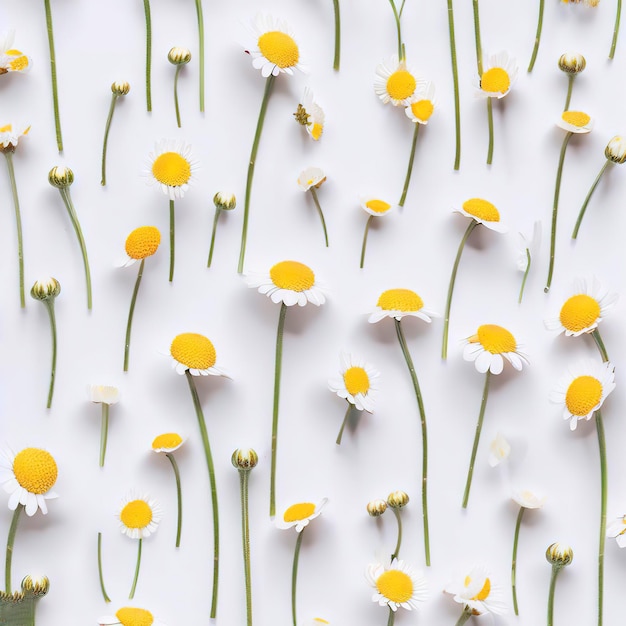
364,150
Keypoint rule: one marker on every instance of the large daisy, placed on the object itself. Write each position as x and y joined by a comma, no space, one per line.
477,592
490,346
399,303
130,616
299,515
12,60
194,353
171,167
397,585
395,82
356,383
139,516
483,212
499,74
422,104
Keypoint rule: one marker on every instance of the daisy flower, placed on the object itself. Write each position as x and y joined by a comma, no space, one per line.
223,201
130,616
310,115
12,60
577,122
375,207
498,76
499,450
477,592
559,556
395,82
311,179
422,104
528,249
397,585
617,529
399,303
118,89
106,395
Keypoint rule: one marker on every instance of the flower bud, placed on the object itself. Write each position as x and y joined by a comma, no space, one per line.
120,88
616,150
46,289
179,56
559,554
60,177
572,63
38,585
376,507
398,499
244,458
224,201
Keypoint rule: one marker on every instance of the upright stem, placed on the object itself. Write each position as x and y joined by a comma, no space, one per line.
581,214
490,124
526,271
49,304
409,170
396,552
100,574
595,333
277,371
533,58
455,267
392,618
514,559
422,412
10,543
555,572
337,35
399,30
555,209
245,536
201,51
467,613
603,490
255,147
104,432
131,595
131,312
364,244
172,240
215,220
18,222
479,50
455,80
178,68
179,497
107,128
479,426
53,74
319,210
343,424
570,85
294,575
146,8
209,462
618,15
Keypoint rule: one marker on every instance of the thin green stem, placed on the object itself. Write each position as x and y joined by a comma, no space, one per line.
209,462
215,220
337,36
398,29
396,552
555,209
595,333
200,51
618,15
514,559
490,124
479,426
526,272
277,371
409,170
146,8
467,613
479,49
581,214
172,240
245,537
255,147
319,210
107,128
49,304
178,68
10,544
392,618
533,58
343,424
401,9
570,86
53,74
455,267
555,572
294,575
18,221
104,432
131,595
364,244
131,312
105,595
179,497
603,491
455,80
422,412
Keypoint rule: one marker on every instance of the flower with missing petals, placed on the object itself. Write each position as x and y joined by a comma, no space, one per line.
194,353
12,60
477,592
300,515
310,115
577,122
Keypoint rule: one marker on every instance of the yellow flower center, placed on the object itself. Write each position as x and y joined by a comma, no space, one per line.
578,312
167,440
292,275
35,470
583,394
576,118
483,594
316,131
356,380
401,85
279,48
129,616
6,129
298,512
495,80
193,350
494,339
378,206
422,109
171,169
395,586
136,514
481,209
143,242
400,300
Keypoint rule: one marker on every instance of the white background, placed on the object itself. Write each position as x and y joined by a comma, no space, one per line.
364,150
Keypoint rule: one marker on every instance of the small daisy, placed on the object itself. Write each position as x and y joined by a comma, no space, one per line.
195,354
577,122
310,115
397,585
399,303
311,177
617,529
12,60
499,450
477,592
528,499
139,517
422,104
171,168
10,135
376,208
130,616
356,383
105,395
300,515
483,212
395,82
499,75
490,346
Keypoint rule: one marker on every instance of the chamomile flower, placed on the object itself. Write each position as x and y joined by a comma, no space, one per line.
528,499
422,104
499,450
139,516
375,206
577,122
171,168
12,60
130,616
490,346
397,585
194,353
10,135
356,384
167,442
299,515
310,115
395,82
483,212
311,177
477,592
499,75
399,303
141,243
617,528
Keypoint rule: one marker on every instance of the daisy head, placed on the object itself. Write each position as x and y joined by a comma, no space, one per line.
300,514
356,383
484,213
559,554
375,508
577,122
490,346
275,50
167,442
499,74
289,282
130,616
139,516
28,478
311,177
10,135
615,150
104,394
397,303
499,450
584,309
527,499
617,528
171,168
581,391
375,206
572,63
422,104
12,60
395,82
194,353
142,243
310,115
397,585
476,591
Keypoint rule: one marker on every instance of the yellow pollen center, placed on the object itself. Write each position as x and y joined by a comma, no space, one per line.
194,351
378,206
136,514
356,380
495,80
134,617
35,470
579,312
6,129
401,85
171,169
298,512
18,64
167,440
422,109
481,209
292,275
279,48
400,300
483,594
316,131
143,242
576,118
395,586
583,394
494,339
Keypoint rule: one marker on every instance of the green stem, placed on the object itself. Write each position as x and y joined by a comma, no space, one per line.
455,267
18,222
255,147
178,68
131,595
107,128
172,240
179,497
209,462
49,304
364,244
319,210
245,537
337,35
581,214
398,29
10,543
479,425
100,574
277,371
53,74
514,559
104,432
555,571
603,490
618,15
215,220
467,613
392,618
201,51
533,58
526,272
131,312
396,552
570,86
343,424
146,8
555,209
422,412
490,124
294,575
595,333
409,170
455,80
479,50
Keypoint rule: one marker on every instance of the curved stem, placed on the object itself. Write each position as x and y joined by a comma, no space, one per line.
172,240
398,29
277,371
131,595
49,304
392,618
555,572
396,552
215,220
53,74
107,128
490,124
104,432
455,267
603,490
467,613
422,412
18,222
364,244
595,333
146,8
479,50
245,537
479,426
209,462
200,51
294,575
131,312
570,86
555,209
255,147
409,170
179,497
526,272
343,424
178,68
319,210
10,543
455,80
337,35
100,574
618,15
514,559
581,214
533,58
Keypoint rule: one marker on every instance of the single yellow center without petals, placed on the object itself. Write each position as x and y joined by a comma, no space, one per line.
378,206
167,440
292,275
194,351
495,80
298,512
6,129
583,394
356,380
494,339
136,514
481,209
401,85
35,470
129,616
483,594
579,312
316,131
395,586
171,169
279,48
400,300
143,242
576,118
422,109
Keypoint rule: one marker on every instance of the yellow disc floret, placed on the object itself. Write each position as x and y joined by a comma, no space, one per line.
279,48
194,351
292,275
576,118
35,470
422,109
356,380
483,594
19,63
130,616
481,209
400,300
143,242
298,512
579,312
136,514
495,80
378,206
401,84
583,394
171,169
395,586
167,441
494,339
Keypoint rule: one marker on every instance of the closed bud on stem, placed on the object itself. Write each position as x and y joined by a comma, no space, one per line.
46,289
179,56
398,499
60,177
244,459
120,88
38,585
572,63
224,201
616,150
559,554
376,507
